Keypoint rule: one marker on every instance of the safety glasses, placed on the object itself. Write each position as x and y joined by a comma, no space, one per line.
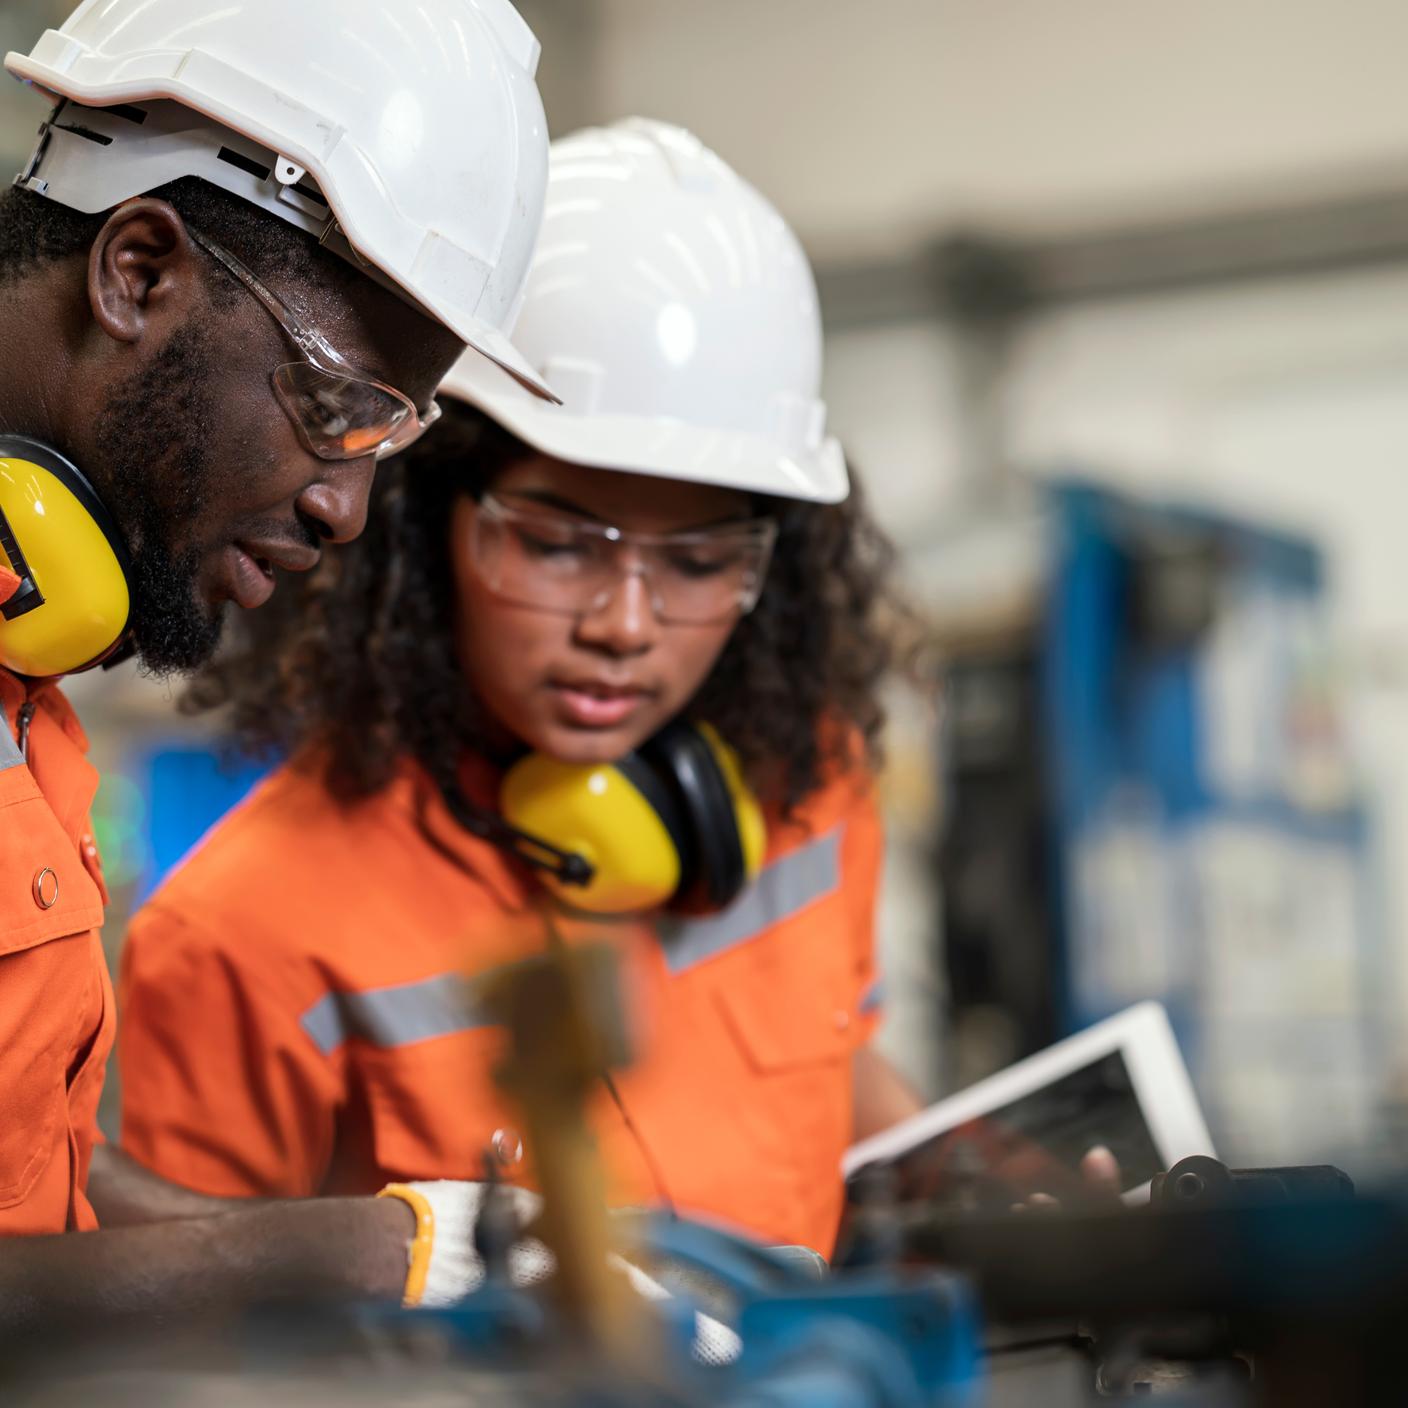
339,412
539,557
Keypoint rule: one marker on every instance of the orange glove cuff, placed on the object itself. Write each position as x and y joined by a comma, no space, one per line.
422,1244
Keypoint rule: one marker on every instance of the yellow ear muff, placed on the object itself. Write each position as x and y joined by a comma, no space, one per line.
595,811
73,603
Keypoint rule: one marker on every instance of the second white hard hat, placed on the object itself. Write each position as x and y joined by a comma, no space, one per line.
676,315
410,137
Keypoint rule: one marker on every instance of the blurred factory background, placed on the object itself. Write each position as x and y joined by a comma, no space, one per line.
1117,298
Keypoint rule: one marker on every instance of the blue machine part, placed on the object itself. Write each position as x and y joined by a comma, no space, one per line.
868,1337
188,790
864,1338
873,1339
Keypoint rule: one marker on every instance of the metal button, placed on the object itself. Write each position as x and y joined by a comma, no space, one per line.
46,889
507,1146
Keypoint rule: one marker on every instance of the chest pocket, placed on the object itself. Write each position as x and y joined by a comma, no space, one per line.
787,1000
46,891
779,960
773,987
421,1056
776,971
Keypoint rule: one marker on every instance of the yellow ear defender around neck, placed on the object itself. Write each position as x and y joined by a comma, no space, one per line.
674,821
72,607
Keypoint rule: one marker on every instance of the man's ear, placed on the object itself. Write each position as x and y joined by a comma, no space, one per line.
143,268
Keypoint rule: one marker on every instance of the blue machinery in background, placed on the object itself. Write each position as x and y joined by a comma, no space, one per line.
1209,843
188,789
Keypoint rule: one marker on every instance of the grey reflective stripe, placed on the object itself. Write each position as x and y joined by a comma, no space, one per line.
442,1005
10,755
395,1016
874,997
782,890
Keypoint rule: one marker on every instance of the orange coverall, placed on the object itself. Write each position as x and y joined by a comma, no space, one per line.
56,1005
295,1016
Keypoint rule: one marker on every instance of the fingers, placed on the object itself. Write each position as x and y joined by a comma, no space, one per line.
1038,1202
1101,1170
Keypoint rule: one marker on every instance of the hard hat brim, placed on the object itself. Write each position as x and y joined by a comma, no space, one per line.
663,448
491,343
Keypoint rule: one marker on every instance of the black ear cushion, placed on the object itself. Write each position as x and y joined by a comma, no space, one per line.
682,754
646,777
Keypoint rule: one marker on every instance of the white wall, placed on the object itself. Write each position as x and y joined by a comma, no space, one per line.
21,110
869,121
890,392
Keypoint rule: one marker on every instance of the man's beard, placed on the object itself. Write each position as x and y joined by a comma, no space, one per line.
156,471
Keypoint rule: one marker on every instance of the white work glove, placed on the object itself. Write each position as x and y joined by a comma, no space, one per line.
714,1342
444,1266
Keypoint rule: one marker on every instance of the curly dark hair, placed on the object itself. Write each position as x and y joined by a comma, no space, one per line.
358,657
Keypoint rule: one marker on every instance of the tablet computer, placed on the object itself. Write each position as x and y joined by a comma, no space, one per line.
1120,1084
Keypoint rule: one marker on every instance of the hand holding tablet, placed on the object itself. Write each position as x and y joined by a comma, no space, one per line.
1120,1086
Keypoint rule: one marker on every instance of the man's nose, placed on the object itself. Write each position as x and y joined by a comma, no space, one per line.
625,623
336,502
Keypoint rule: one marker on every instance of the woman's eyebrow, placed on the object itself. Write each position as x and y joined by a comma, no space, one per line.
551,499
731,520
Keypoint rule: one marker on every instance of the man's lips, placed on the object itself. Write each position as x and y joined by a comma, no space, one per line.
250,569
597,704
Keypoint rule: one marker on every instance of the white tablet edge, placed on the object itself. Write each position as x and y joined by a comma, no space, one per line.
1142,1034
1163,1086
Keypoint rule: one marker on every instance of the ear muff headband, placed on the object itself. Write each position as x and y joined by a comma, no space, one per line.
73,605
682,754
668,806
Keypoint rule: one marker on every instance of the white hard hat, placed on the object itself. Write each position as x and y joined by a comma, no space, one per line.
675,313
410,137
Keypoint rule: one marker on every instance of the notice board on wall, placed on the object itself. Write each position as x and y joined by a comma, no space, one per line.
1211,848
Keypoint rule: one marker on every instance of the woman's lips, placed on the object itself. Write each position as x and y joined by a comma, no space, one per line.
586,705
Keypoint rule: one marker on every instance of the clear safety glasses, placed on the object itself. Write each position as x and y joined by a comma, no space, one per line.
543,558
339,412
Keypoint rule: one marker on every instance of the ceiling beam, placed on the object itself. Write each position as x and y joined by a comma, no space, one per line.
983,276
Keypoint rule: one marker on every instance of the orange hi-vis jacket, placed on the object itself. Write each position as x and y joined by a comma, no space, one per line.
296,1021
56,1006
